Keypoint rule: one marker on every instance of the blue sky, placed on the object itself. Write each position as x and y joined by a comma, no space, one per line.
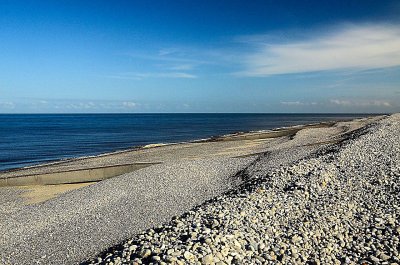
199,56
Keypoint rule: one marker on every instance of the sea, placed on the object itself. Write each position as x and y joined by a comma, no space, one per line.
29,139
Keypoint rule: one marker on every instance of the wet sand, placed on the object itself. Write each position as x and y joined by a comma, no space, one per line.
39,193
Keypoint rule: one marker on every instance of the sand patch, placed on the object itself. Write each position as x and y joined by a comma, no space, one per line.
40,193
244,148
241,148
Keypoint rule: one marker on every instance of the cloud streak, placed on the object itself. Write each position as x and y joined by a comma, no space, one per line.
348,47
298,103
168,56
140,76
364,103
65,105
7,105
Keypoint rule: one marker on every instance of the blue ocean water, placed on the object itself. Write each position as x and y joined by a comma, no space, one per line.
27,139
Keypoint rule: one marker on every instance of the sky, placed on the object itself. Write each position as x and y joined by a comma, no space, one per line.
199,56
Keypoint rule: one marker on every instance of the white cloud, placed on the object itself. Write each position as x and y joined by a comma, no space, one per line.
7,105
97,105
37,104
361,103
182,67
172,56
341,102
167,51
80,105
140,76
292,103
349,47
129,104
174,75
298,103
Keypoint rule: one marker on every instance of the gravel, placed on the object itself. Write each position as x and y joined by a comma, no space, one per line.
79,224
298,201
340,205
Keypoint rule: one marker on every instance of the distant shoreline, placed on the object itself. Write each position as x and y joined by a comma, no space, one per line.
278,131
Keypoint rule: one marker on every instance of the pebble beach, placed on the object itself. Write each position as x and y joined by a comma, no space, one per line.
339,206
325,195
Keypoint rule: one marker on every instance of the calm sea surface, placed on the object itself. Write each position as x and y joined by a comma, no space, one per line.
37,138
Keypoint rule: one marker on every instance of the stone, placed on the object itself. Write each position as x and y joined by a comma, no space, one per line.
132,248
188,256
261,259
225,251
384,257
144,253
374,259
208,259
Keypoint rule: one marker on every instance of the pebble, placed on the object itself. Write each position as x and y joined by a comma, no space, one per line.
329,208
145,253
188,255
208,259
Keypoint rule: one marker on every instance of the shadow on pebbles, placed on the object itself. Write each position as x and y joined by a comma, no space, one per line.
339,206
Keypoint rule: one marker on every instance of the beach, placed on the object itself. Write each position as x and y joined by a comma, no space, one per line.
325,193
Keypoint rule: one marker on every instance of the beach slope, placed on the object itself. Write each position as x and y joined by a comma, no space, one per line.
255,198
